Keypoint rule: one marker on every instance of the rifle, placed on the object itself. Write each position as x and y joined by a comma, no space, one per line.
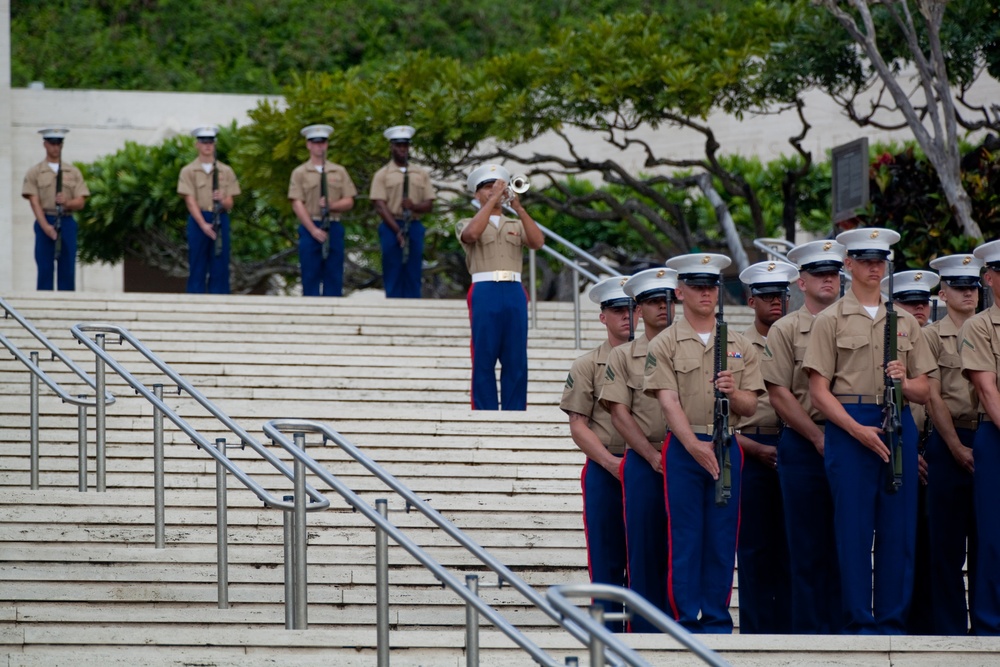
721,437
216,206
407,214
892,425
59,212
324,211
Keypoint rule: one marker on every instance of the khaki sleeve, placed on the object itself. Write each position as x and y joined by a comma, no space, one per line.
919,361
974,346
428,191
347,187
377,190
751,378
933,339
578,392
76,187
615,388
185,183
30,185
821,352
777,369
295,189
232,183
659,369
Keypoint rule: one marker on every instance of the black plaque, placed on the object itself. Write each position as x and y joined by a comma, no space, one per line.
850,179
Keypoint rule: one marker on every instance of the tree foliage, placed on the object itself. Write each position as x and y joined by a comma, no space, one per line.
258,46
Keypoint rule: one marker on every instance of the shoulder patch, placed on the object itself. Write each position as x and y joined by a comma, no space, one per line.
609,374
569,381
650,361
767,351
966,343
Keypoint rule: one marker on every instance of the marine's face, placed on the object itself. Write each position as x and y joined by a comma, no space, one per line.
824,287
53,149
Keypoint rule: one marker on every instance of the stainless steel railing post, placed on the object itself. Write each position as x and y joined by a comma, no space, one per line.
159,511
222,526
576,310
33,400
289,588
382,586
81,439
471,624
596,645
299,532
100,420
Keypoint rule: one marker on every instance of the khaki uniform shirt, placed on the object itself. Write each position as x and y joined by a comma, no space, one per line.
787,342
943,339
41,182
583,386
304,185
194,181
679,361
980,346
387,185
498,249
623,384
765,414
845,347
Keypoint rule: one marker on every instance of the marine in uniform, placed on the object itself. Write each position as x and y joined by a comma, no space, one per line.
639,419
951,518
911,291
762,556
207,271
980,352
845,362
39,189
498,304
400,192
701,536
592,431
805,492
321,276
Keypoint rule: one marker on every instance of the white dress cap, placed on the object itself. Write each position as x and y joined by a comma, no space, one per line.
316,132
911,286
959,270
818,256
768,277
989,253
699,268
399,133
652,283
487,172
868,242
54,132
609,292
208,131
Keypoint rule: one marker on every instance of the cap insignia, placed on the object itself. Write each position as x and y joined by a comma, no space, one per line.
706,259
659,274
623,281
827,246
873,235
772,266
919,276
967,260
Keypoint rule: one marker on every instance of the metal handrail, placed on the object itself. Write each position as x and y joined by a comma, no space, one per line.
319,501
636,604
56,354
771,246
577,272
82,402
273,429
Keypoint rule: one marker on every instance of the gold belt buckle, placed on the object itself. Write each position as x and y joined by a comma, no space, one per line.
503,276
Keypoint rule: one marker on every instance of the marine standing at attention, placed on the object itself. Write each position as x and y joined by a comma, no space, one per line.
680,373
54,189
592,431
874,492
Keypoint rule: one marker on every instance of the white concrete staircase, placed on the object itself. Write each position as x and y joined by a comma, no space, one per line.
82,584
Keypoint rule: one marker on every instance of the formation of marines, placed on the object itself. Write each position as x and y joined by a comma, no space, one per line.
851,480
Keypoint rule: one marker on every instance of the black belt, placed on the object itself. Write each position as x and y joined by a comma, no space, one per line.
760,430
967,424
